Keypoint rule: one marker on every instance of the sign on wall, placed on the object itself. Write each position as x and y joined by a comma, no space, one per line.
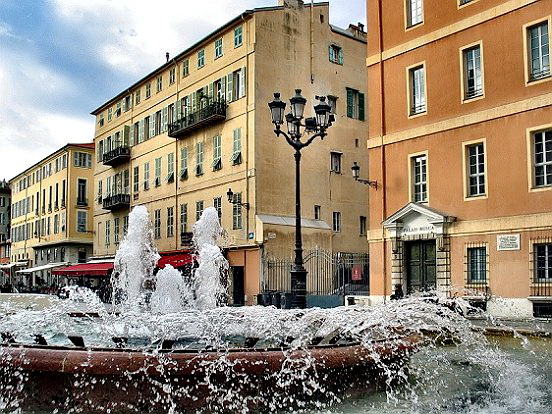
508,242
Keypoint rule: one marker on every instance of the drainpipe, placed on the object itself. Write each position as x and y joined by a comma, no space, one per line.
382,149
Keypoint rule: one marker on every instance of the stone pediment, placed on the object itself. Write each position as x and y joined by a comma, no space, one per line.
417,219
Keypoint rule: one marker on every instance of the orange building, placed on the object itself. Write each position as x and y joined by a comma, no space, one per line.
460,144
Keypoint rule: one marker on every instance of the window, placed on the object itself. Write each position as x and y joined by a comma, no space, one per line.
217,203
185,68
136,179
158,123
199,209
362,226
335,162
237,212
137,97
476,170
236,148
157,224
218,48
477,264
201,58
170,167
317,212
172,76
118,109
217,153
419,175
109,114
417,90
158,172
336,221
146,176
136,139
159,83
82,160
199,158
116,222
462,2
107,232
539,51
335,54
235,83
183,218
170,221
146,129
101,120
542,149
100,191
184,163
127,103
148,90
543,262
238,36
355,104
81,192
332,101
125,225
473,77
414,12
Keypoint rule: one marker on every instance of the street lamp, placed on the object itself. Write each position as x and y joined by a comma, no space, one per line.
317,127
356,172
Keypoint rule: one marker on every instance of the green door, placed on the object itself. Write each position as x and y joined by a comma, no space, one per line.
420,266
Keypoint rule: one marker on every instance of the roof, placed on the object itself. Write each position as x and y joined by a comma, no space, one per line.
242,16
86,145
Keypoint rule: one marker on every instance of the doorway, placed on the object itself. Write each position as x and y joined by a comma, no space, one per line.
421,266
238,286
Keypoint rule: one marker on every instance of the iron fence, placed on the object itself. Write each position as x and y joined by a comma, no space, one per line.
329,273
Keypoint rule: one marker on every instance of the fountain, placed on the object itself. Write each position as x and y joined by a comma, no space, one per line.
171,346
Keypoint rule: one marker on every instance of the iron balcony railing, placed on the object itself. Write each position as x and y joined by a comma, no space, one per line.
116,201
418,108
82,202
540,74
214,111
473,92
116,156
541,286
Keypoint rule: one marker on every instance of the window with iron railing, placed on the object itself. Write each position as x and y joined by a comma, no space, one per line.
417,90
473,77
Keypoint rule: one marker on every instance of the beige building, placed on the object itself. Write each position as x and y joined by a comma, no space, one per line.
460,141
51,214
178,139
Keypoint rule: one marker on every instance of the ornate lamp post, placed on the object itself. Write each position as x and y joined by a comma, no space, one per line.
297,127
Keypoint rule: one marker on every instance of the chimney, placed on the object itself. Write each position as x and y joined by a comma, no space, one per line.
291,4
167,56
360,27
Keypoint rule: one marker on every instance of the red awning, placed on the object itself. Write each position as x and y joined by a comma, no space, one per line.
85,269
175,260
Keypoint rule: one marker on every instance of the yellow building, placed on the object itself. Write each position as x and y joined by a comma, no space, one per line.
460,140
178,139
51,213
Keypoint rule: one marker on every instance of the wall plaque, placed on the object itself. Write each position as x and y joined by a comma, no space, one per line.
508,242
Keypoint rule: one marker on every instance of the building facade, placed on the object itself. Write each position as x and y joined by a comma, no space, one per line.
51,214
460,141
177,140
5,202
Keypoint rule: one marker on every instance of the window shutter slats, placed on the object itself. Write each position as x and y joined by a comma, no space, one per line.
349,103
361,106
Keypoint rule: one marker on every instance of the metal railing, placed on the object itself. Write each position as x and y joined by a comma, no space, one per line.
116,155
82,202
213,111
328,273
115,201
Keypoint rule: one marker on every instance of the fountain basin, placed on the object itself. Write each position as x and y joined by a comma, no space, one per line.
101,378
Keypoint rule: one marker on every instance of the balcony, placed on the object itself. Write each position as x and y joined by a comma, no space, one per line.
116,202
116,156
214,111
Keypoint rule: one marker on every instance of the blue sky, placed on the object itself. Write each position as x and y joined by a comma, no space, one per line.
60,59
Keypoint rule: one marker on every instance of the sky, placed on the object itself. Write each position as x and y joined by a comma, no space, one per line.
61,59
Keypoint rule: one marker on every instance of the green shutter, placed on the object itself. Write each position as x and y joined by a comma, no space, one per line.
331,53
361,106
350,103
340,57
229,85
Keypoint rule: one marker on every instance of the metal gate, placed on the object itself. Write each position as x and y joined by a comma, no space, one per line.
329,274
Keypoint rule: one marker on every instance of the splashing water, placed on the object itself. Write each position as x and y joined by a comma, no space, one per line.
458,371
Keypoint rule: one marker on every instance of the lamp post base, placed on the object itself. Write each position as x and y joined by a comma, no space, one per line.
298,287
